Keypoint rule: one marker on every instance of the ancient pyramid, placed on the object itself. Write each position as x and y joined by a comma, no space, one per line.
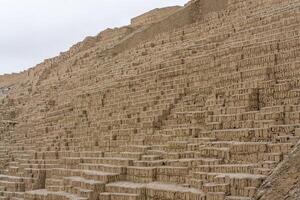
200,102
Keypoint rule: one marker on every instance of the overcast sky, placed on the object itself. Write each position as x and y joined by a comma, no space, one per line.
32,30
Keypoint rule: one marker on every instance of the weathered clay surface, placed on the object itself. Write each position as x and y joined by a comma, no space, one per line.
284,183
200,102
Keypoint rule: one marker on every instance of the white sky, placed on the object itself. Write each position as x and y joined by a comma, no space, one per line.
33,30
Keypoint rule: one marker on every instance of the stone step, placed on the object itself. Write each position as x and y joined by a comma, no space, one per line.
192,162
106,160
237,198
126,187
155,163
216,187
104,168
10,194
13,186
141,174
54,185
80,182
101,176
213,152
172,174
172,191
132,155
136,148
227,168
88,174
48,195
42,161
89,194
119,196
91,154
165,191
151,157
215,196
11,178
16,198
39,166
236,179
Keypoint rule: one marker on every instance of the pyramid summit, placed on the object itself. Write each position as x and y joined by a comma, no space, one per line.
200,102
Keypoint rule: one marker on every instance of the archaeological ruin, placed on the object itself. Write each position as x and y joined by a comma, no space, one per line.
200,102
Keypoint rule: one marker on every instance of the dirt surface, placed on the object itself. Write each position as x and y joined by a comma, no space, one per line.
284,183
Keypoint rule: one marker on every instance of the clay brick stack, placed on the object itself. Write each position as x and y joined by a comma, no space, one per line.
202,112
